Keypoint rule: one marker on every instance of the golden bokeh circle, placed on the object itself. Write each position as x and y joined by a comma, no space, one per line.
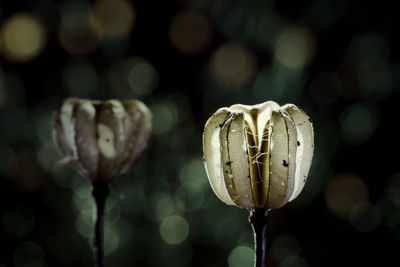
21,38
116,17
189,32
295,47
345,192
232,65
79,33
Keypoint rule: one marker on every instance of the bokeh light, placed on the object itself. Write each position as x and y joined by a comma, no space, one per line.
365,217
189,32
66,176
319,176
368,53
79,33
358,122
160,205
174,229
241,256
29,254
47,153
165,116
278,82
22,38
284,246
113,209
189,197
225,222
344,193
232,65
143,78
115,17
111,240
132,197
124,230
133,77
295,47
85,220
84,223
183,105
192,171
19,221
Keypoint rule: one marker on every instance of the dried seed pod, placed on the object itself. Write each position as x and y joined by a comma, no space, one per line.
102,138
258,157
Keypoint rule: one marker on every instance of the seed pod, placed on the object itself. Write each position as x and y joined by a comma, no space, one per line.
102,139
258,157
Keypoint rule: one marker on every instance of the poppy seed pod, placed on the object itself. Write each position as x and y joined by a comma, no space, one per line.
258,157
102,138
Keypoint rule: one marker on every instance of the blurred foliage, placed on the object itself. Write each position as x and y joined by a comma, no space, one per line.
335,59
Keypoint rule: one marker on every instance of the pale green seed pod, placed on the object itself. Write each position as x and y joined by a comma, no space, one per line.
258,157
102,138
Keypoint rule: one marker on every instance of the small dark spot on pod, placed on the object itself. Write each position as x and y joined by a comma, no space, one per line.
229,163
304,180
285,163
204,159
309,119
107,140
298,143
226,171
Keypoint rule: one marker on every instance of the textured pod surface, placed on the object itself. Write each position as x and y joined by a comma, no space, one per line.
102,138
305,146
233,150
212,155
258,156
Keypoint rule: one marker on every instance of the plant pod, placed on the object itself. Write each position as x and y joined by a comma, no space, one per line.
102,138
258,157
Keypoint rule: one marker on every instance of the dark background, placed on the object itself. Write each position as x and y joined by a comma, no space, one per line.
338,60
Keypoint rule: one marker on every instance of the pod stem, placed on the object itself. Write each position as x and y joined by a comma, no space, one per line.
258,221
100,193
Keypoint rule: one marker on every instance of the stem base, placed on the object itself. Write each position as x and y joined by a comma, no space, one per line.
258,221
100,193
